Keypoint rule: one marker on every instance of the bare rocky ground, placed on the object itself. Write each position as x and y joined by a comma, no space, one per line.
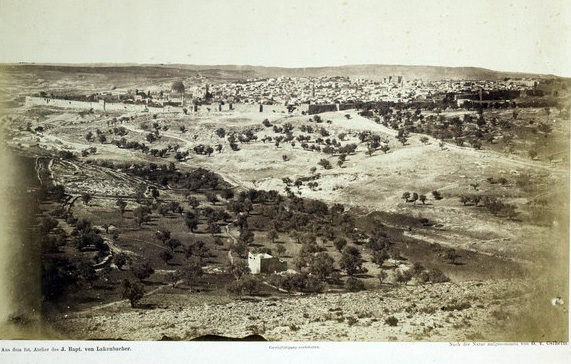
469,311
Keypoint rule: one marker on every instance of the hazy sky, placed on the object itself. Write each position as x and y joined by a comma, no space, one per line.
517,35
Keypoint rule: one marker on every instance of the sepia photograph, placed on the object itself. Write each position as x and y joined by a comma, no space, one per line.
284,171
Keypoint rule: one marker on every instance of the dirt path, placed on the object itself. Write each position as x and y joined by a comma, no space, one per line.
50,165
442,242
147,242
123,301
115,249
168,134
37,169
511,160
234,242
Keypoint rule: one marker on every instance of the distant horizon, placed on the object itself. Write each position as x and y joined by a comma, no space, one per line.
137,64
527,36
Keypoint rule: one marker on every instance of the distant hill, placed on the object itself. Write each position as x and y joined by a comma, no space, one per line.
374,72
428,73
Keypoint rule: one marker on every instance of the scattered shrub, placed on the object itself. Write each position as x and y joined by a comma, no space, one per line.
437,276
354,285
294,327
391,321
456,306
352,320
133,292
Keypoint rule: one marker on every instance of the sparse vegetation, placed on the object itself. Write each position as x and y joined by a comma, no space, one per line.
391,321
154,204
133,292
354,285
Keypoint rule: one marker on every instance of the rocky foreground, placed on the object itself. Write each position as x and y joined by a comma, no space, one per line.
469,311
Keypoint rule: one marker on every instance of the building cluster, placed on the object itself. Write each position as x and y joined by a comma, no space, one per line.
335,90
313,91
322,90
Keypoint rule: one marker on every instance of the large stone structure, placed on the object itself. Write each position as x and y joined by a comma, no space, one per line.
265,263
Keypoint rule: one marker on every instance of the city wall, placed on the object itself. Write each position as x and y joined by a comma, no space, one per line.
121,107
253,108
96,106
319,108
